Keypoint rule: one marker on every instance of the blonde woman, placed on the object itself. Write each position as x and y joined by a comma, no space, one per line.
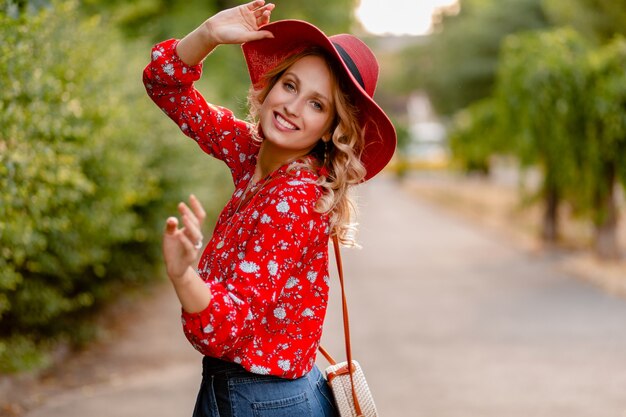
255,303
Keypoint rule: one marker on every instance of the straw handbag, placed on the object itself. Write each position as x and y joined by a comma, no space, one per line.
352,394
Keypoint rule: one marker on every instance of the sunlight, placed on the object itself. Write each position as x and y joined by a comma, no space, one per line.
399,17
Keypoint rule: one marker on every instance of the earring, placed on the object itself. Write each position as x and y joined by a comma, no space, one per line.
325,152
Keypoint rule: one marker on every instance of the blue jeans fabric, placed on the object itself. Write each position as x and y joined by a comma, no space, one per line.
228,390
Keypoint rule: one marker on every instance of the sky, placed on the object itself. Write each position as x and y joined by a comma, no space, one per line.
399,17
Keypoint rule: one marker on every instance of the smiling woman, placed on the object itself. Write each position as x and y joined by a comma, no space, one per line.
254,304
408,17
296,112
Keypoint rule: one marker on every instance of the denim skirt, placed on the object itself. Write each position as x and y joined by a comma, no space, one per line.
228,390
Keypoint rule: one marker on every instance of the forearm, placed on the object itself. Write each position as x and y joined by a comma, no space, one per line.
194,47
192,291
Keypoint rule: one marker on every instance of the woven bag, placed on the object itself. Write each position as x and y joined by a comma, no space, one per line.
352,394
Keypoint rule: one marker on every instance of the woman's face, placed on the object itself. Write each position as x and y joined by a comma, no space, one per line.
299,110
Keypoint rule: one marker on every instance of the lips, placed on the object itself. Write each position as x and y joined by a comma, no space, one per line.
284,123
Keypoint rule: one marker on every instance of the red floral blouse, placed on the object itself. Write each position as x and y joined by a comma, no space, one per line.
267,262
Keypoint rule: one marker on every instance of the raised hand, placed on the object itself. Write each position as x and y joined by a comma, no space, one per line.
237,25
241,24
181,247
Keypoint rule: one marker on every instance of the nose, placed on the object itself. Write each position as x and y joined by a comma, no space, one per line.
293,107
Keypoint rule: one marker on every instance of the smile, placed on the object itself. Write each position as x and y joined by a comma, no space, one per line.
284,123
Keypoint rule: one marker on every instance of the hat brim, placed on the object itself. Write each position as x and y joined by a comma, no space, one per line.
293,36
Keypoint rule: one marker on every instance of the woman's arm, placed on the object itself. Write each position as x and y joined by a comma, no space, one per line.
169,82
237,25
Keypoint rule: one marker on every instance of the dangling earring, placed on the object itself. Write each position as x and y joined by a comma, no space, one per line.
323,170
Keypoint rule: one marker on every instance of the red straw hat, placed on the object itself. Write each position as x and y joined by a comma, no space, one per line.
359,63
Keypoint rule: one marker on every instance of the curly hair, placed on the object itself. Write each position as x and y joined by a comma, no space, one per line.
339,160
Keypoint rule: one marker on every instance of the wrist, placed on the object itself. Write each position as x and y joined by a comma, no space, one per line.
195,47
206,30
193,293
181,279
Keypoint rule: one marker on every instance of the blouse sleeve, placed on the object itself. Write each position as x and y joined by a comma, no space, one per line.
287,233
169,83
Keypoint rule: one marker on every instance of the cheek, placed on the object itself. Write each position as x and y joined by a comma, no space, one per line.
323,123
275,94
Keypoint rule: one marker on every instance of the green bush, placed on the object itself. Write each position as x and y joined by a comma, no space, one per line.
89,169
474,136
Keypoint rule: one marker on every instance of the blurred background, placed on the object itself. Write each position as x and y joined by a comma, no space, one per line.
510,113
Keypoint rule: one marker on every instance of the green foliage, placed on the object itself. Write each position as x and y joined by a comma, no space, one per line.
332,16
605,121
598,20
541,91
475,136
20,352
458,65
87,175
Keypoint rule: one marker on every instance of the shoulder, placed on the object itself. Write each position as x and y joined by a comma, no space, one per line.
300,184
293,197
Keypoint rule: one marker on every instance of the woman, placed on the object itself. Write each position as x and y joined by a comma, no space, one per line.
256,303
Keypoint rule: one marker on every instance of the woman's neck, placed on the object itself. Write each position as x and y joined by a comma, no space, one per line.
271,158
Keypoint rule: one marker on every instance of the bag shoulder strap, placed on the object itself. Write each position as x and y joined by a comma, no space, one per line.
346,328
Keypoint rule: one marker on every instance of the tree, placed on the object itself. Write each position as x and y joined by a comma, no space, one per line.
89,170
475,136
541,92
458,64
605,149
598,20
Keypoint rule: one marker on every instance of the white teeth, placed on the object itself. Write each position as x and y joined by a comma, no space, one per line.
284,123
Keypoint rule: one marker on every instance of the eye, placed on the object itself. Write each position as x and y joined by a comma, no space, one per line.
317,105
289,86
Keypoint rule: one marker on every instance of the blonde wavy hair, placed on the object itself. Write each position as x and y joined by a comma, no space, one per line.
339,159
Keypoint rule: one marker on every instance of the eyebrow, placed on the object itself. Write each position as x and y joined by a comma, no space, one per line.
317,93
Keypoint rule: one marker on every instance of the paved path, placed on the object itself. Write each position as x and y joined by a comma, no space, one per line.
448,320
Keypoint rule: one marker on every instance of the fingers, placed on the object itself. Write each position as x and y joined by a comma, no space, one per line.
181,237
261,34
189,235
264,11
253,5
197,208
264,19
192,220
171,225
187,244
263,15
184,210
191,231
259,6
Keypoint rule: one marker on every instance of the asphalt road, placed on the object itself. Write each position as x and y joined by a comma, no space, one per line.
448,320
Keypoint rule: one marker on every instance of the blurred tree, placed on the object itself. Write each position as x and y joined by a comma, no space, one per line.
541,93
475,136
458,64
88,173
599,20
332,16
605,150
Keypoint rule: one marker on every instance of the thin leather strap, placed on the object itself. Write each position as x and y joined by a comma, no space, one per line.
346,324
327,355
